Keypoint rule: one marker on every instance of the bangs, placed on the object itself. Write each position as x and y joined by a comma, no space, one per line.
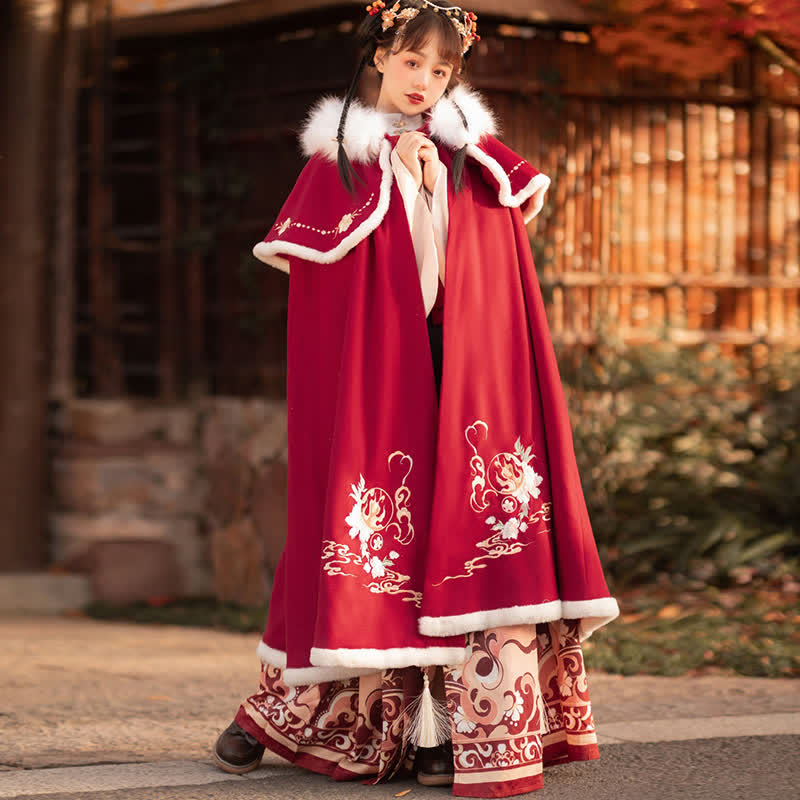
419,30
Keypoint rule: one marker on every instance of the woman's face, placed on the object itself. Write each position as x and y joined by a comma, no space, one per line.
411,72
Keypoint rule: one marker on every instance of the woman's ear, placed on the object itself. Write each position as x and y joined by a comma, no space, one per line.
377,59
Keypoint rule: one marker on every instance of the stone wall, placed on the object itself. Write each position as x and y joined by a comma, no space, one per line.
157,502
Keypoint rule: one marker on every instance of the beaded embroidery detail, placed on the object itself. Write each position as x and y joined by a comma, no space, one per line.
344,223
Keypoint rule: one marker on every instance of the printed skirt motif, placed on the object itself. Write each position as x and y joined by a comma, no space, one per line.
518,704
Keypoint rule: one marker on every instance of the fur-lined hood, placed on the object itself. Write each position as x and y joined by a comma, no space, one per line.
365,126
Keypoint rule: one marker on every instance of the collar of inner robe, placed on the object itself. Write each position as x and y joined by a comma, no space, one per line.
399,122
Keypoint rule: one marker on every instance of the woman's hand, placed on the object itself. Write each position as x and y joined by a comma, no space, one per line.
429,156
407,147
421,157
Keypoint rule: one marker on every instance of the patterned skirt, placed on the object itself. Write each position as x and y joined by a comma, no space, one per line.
519,703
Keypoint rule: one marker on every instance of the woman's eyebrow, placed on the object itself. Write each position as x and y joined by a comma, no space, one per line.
420,53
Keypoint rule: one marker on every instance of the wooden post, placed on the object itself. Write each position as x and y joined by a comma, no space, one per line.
168,355
62,294
27,42
195,267
106,356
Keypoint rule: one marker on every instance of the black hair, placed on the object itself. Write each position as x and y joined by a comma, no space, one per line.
370,36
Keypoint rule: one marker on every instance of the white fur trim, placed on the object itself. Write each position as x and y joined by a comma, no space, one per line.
301,676
481,620
269,655
268,251
365,126
364,129
533,205
593,614
446,124
536,186
264,253
393,657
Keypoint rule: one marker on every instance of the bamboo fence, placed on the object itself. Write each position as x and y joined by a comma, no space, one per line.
673,210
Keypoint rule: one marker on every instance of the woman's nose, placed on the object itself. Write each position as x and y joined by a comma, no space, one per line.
421,82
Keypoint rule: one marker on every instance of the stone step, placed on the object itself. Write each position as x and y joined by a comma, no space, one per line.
113,421
42,592
160,481
73,534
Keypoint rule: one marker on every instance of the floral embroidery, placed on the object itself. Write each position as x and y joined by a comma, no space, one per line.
503,757
462,722
517,707
374,520
511,484
344,223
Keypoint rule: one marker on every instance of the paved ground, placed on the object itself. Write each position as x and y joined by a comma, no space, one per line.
99,710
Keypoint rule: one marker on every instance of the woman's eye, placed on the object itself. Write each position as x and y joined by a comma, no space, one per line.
440,72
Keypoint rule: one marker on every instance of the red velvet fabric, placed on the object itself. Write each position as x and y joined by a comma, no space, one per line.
398,508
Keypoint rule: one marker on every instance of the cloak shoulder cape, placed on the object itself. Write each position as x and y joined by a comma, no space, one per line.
412,522
320,221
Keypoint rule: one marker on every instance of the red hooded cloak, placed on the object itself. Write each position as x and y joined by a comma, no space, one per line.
411,523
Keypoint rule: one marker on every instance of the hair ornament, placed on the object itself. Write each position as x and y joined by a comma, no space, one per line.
465,22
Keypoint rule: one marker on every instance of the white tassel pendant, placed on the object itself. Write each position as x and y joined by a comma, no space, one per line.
428,720
544,724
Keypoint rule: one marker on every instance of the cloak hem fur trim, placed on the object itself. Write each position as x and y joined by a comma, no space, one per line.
269,655
536,187
592,613
268,251
391,658
302,676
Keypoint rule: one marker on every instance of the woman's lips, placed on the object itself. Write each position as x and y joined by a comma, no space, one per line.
414,98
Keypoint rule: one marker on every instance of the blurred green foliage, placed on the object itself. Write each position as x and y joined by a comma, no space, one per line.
690,460
663,632
197,612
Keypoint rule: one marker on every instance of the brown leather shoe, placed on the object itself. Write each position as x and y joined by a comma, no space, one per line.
434,765
237,750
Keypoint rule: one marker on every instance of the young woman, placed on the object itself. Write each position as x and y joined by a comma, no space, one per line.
440,571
